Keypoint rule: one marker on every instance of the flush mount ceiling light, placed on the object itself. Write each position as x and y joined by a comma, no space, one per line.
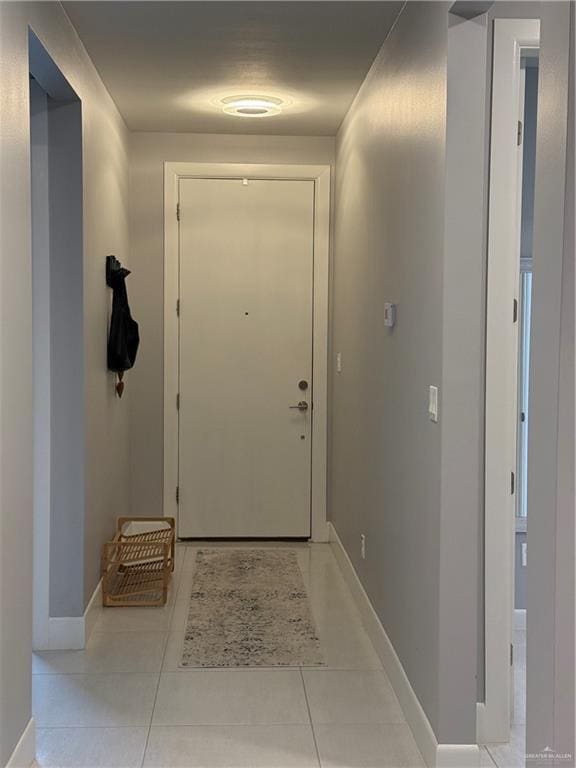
252,106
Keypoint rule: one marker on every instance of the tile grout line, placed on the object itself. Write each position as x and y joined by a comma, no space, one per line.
492,758
492,761
150,723
310,718
176,590
89,727
161,668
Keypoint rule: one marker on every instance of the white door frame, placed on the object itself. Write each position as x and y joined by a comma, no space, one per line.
320,175
510,37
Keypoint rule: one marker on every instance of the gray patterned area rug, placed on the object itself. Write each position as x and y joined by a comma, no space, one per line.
249,608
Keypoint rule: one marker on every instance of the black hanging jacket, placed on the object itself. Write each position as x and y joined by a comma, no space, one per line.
123,339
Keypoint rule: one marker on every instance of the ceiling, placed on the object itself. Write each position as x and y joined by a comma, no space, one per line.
168,64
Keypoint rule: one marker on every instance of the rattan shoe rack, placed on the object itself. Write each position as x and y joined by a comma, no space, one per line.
137,563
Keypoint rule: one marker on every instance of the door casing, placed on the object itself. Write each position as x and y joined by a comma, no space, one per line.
320,175
510,37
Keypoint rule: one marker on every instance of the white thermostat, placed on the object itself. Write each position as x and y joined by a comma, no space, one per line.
389,314
433,403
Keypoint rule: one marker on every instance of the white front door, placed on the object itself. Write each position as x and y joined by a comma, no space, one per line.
246,291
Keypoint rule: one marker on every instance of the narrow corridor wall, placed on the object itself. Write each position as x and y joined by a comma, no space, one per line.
388,470
105,174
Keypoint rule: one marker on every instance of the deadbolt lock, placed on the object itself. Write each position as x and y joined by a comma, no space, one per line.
303,385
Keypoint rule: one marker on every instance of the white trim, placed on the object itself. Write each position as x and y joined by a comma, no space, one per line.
510,36
66,633
92,611
435,755
71,633
480,720
457,756
320,174
24,753
520,619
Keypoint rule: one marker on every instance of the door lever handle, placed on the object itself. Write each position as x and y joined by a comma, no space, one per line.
302,406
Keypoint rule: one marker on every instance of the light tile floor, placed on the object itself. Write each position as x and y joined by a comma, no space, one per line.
513,754
125,703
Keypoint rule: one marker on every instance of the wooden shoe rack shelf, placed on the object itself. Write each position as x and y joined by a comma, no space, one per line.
137,564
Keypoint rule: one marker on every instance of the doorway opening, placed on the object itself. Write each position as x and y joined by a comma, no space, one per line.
529,91
508,330
58,362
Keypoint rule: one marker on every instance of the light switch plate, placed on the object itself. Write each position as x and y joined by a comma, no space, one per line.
339,362
433,403
389,314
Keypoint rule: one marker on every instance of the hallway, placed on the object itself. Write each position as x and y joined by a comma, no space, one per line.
125,702
259,267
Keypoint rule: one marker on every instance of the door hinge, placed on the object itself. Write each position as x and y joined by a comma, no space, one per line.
177,211
512,482
511,655
515,311
177,494
519,136
178,401
177,307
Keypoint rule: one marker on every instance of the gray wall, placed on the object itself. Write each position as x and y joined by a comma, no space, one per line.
550,615
40,215
105,174
148,153
58,361
66,360
389,475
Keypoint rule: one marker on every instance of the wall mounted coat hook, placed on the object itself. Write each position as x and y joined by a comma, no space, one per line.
114,269
123,338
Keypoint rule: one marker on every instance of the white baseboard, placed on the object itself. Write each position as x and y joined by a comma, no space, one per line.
92,611
25,752
66,633
321,534
457,756
520,618
435,755
481,731
71,633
